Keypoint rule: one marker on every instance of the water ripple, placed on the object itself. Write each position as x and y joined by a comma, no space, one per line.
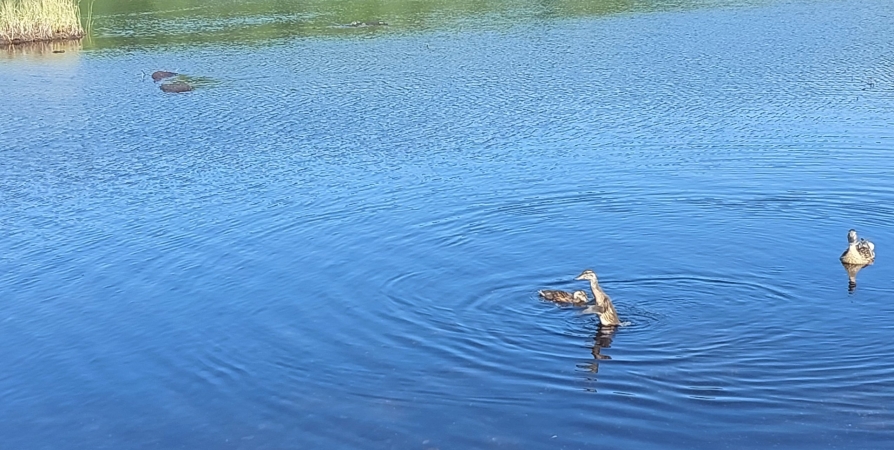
340,244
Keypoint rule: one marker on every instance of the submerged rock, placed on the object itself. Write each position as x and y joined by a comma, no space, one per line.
161,75
176,87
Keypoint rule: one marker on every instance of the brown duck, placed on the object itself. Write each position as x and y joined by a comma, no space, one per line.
603,307
859,252
578,298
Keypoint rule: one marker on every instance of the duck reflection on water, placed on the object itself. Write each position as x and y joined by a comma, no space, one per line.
852,270
601,340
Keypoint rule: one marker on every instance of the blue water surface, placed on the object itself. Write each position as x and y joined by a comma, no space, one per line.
338,243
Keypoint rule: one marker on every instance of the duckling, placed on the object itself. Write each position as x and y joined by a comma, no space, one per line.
860,252
604,307
577,298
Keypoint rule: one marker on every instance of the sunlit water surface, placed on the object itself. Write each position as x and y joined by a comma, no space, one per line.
339,243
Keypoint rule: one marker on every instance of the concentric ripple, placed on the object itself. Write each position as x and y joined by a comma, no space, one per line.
340,244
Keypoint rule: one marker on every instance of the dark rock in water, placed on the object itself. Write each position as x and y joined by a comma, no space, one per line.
58,51
376,23
176,86
161,75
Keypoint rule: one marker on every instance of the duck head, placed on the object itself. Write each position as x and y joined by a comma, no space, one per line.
587,275
580,297
852,236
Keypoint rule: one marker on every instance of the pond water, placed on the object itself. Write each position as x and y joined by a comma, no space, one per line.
338,243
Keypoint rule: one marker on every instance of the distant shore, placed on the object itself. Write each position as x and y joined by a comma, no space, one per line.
39,20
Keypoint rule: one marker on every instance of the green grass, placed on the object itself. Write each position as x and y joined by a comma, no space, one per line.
39,20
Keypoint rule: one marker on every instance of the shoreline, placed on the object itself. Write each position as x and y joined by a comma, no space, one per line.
21,41
23,21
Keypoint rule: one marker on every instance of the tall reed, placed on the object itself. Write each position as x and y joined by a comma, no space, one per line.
39,20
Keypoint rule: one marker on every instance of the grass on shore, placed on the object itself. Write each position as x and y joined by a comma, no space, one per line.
39,20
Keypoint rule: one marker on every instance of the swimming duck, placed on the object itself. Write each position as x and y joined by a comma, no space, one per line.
576,298
603,307
861,252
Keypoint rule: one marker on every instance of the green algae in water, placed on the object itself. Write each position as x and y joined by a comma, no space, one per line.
190,22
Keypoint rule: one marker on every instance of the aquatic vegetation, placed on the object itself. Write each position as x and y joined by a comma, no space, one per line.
39,20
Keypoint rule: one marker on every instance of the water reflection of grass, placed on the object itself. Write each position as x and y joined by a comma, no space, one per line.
39,20
43,49
189,22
